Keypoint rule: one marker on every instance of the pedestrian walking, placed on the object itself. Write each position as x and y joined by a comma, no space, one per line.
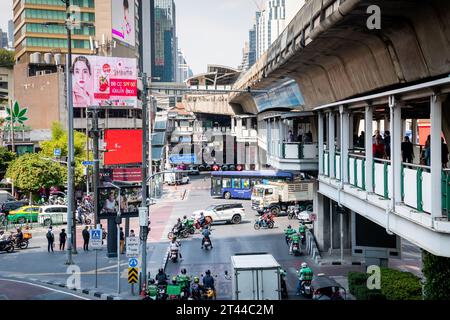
86,237
387,144
122,241
407,150
50,239
62,239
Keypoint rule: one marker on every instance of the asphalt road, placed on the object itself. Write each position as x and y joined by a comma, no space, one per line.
228,240
22,290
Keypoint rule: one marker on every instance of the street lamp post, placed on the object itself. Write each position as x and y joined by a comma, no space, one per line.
118,220
71,223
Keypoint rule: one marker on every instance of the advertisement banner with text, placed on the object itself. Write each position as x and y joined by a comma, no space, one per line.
104,81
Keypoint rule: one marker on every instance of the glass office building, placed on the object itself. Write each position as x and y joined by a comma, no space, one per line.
164,60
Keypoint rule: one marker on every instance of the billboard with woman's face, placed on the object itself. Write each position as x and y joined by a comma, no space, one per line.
104,81
123,21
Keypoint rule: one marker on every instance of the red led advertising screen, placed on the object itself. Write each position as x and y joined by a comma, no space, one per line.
123,147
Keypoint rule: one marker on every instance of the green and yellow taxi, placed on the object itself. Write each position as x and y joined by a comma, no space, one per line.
24,214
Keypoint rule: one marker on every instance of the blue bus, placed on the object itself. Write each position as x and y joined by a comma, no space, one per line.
239,184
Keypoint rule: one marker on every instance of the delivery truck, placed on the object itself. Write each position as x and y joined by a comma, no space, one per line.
278,196
255,277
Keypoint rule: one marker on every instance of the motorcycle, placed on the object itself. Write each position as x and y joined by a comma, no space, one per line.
305,289
206,243
7,245
23,244
196,292
262,223
296,248
189,226
293,212
176,232
174,255
207,223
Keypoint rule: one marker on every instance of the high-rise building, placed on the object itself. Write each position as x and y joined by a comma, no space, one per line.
11,33
40,79
164,57
184,72
30,35
3,39
245,65
270,22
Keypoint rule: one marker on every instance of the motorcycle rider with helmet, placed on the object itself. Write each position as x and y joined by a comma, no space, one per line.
206,235
184,281
152,290
161,277
196,289
304,274
288,233
175,245
295,237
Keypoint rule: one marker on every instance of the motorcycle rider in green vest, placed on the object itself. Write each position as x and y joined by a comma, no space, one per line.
294,238
288,233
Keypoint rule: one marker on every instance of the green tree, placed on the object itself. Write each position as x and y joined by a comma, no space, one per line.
60,141
30,172
6,58
6,157
437,274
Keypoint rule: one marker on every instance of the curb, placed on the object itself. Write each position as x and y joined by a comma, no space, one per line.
90,292
312,249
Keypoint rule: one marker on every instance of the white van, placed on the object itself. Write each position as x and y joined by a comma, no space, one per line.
52,215
176,178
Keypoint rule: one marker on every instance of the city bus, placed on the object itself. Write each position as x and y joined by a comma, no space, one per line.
239,184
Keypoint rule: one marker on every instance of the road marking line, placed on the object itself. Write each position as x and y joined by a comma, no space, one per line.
44,287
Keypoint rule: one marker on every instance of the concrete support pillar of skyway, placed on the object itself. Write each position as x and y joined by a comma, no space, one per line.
436,157
369,151
321,142
331,143
396,152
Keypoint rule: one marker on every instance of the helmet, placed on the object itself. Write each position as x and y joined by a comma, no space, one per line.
174,279
185,217
174,239
161,270
152,281
304,265
196,280
289,227
183,271
208,272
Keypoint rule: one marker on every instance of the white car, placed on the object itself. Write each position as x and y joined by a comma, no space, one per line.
304,216
233,213
52,215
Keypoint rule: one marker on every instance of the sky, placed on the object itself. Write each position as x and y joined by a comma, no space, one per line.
6,13
209,31
213,31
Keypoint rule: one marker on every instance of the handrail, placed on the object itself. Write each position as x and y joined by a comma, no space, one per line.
356,156
382,160
406,164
